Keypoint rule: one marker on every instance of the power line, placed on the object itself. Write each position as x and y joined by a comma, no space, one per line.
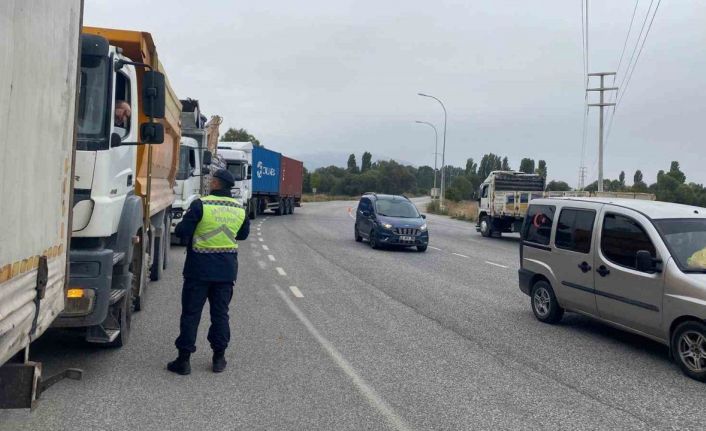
625,88
637,42
627,36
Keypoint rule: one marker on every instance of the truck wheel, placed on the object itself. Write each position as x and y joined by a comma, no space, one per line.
122,315
292,206
157,268
280,209
485,227
544,304
138,268
252,209
167,240
689,349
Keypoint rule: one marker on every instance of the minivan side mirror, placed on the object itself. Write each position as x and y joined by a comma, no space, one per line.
644,262
424,216
365,213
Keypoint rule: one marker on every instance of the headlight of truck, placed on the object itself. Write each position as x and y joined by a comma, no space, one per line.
386,225
236,193
423,227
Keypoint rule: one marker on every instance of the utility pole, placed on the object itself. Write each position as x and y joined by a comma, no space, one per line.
601,105
436,146
582,177
443,151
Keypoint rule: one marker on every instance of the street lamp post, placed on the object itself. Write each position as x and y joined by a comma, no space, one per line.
443,151
436,147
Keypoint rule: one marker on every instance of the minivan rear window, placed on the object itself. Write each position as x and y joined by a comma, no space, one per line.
538,224
574,229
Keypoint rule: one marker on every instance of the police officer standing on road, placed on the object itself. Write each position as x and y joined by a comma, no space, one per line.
212,226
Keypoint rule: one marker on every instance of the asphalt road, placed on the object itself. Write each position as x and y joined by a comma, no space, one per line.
330,334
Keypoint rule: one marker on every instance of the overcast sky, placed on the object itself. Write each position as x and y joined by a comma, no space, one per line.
320,79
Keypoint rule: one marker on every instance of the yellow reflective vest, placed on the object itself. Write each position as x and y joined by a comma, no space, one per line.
219,225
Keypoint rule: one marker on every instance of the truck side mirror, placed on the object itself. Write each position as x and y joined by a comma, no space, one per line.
115,140
153,94
152,133
207,158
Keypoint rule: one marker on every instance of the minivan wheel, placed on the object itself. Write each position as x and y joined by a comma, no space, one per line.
485,229
689,349
544,304
373,240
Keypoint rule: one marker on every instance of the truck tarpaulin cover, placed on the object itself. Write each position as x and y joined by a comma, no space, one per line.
265,170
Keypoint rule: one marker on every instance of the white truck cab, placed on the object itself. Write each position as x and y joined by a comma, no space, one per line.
238,158
188,187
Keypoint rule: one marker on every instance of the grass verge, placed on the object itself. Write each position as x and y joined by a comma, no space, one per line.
463,210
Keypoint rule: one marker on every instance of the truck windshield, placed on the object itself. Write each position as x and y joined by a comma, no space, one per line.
236,169
686,239
396,208
93,96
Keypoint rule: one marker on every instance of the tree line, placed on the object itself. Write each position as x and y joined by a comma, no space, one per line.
463,182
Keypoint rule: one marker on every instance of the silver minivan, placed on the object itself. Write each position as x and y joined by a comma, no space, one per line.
637,265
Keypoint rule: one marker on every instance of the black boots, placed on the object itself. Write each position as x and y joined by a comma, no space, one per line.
219,361
181,364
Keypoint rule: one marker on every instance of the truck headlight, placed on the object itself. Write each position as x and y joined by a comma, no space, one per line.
236,193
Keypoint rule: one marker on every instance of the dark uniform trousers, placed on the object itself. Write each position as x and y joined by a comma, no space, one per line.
193,299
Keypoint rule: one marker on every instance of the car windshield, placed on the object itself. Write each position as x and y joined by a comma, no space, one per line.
686,239
396,208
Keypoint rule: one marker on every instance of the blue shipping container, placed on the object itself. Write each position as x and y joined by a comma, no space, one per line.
266,171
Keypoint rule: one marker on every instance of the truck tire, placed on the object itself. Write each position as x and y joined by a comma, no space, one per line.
122,313
289,206
167,240
138,267
294,204
280,208
157,268
486,226
252,209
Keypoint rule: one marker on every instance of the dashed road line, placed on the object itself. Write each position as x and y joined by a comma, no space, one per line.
262,264
260,239
390,416
256,253
496,264
296,292
435,248
259,233
272,258
280,271
266,248
461,255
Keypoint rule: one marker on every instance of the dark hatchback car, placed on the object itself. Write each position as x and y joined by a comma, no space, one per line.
390,220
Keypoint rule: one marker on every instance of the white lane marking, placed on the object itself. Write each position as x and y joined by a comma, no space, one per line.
461,255
272,258
266,248
280,271
262,264
296,292
259,233
496,264
260,239
258,228
256,253
393,419
434,248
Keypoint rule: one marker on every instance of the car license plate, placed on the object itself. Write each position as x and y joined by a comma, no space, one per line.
406,238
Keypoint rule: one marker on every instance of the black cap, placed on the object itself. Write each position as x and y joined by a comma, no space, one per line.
225,176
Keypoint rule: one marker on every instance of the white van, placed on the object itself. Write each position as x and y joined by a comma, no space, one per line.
637,265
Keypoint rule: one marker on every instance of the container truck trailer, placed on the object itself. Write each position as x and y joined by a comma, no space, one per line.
265,179
123,185
39,45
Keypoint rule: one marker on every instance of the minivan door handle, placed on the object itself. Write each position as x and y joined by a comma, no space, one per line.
603,271
585,267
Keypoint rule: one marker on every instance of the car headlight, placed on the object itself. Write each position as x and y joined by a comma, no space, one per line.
423,227
386,225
